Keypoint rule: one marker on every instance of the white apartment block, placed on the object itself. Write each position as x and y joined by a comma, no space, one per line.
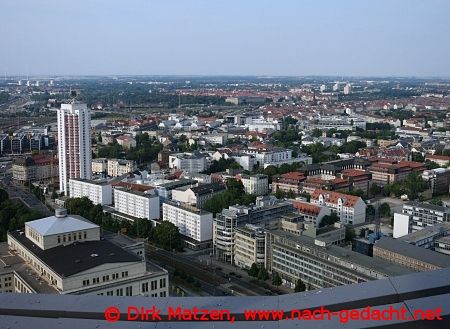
98,192
190,162
64,255
74,143
256,184
119,167
246,161
349,208
136,204
193,223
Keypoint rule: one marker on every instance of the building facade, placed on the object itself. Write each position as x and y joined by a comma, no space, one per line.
194,224
99,192
133,204
74,143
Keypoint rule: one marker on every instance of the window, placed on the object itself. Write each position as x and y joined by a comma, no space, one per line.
154,285
85,234
129,291
162,294
145,287
119,292
162,283
59,239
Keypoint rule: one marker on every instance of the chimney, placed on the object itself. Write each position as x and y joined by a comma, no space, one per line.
60,212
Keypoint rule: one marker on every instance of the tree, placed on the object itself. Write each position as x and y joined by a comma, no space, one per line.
349,233
374,190
276,280
3,195
263,275
329,219
299,286
384,210
167,236
254,270
54,195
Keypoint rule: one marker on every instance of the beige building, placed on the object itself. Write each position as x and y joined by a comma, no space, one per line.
99,165
35,168
65,255
249,246
408,255
118,167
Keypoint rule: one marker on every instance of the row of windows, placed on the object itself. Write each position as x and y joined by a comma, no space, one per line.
105,278
73,236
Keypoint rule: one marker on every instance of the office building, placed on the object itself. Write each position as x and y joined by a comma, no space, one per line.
190,162
438,180
74,143
417,215
197,195
250,246
255,184
408,255
294,256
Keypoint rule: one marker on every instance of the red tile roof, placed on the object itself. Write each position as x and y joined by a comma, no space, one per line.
306,208
332,197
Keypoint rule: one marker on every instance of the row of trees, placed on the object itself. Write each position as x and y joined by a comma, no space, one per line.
165,235
14,214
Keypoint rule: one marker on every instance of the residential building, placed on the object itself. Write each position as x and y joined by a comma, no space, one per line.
99,192
74,143
191,162
438,180
311,212
318,265
197,195
288,182
119,167
99,165
408,255
36,168
194,224
417,215
64,254
126,141
349,208
250,246
255,184
131,205
441,160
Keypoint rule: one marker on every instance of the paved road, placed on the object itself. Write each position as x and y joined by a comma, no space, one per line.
16,192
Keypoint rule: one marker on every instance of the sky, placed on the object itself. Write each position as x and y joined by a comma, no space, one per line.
225,37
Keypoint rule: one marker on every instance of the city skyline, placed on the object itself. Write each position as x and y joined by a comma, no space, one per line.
175,38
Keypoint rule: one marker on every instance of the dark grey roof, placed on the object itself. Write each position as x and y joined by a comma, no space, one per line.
77,257
427,206
208,188
409,250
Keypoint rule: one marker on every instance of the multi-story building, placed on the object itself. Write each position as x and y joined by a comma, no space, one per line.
266,156
191,162
408,255
119,167
64,254
388,172
288,182
358,179
311,212
131,205
74,143
99,192
266,210
294,256
442,245
197,195
349,208
441,160
194,224
35,168
126,141
99,165
426,237
417,215
438,179
255,184
250,246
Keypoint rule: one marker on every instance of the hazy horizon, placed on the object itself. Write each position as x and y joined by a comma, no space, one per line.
286,38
